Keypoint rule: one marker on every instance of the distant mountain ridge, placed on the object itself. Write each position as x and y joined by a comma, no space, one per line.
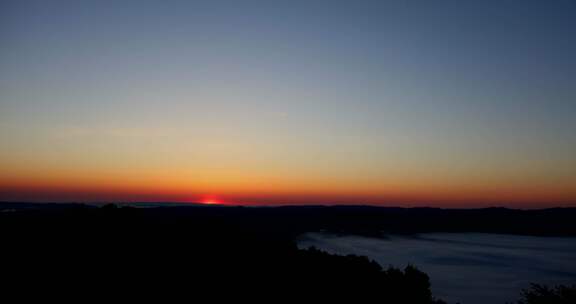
355,219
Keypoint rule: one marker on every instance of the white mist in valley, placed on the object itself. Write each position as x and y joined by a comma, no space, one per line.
471,268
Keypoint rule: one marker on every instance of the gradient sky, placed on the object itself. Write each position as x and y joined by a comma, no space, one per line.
436,103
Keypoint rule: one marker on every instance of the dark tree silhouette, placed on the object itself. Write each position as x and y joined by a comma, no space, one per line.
243,254
543,294
185,254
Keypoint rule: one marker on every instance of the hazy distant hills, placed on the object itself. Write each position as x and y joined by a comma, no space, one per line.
361,220
55,205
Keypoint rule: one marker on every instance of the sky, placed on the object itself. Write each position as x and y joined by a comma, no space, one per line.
404,103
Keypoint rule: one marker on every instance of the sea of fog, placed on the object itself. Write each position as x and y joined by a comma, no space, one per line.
470,268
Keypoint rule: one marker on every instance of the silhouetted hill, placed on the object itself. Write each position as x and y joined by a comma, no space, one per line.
244,253
239,253
362,220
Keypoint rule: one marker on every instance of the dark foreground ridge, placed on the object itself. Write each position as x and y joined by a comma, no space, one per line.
240,253
360,220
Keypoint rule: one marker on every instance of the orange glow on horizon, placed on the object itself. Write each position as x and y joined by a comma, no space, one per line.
522,197
188,113
211,200
254,187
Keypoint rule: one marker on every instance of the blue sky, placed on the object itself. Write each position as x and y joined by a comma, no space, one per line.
458,96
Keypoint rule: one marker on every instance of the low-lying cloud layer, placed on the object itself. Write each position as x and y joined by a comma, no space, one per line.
470,268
